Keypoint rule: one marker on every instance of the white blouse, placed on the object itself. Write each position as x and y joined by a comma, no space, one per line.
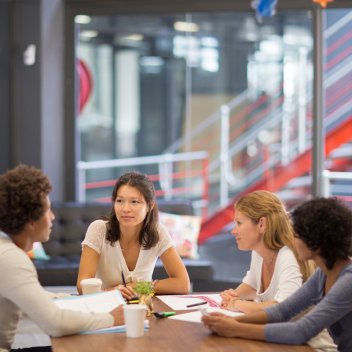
287,277
112,262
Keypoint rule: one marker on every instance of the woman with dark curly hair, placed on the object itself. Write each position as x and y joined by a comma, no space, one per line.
323,233
123,248
25,218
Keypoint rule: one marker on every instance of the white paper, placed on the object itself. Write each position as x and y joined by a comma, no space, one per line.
180,302
195,317
102,302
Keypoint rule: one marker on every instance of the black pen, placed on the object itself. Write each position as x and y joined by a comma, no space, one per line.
196,304
123,278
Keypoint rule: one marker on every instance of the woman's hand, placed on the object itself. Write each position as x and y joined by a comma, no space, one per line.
221,324
127,291
228,297
117,314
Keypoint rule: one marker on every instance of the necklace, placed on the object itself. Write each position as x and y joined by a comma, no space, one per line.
124,247
129,246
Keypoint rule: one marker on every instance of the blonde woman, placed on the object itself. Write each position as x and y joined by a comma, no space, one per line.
263,226
323,233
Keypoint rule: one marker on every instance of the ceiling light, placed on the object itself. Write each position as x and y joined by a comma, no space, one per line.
186,26
134,37
89,34
82,19
151,61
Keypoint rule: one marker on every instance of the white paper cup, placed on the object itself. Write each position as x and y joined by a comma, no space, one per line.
134,315
92,285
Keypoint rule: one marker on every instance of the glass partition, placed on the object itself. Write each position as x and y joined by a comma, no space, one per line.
216,82
338,107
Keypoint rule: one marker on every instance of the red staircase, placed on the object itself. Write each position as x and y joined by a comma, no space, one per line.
298,167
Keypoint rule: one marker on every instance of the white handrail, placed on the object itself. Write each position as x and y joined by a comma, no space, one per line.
334,175
338,25
232,104
164,162
143,160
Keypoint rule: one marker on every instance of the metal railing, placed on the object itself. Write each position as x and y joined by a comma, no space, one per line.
197,191
218,166
329,176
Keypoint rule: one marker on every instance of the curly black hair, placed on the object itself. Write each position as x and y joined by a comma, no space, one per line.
149,235
22,193
325,226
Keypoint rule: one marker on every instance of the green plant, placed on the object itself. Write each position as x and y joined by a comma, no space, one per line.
144,288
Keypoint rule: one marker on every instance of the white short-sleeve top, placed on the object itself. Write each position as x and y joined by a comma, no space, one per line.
287,277
112,262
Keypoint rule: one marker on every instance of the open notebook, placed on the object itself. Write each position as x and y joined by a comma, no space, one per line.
102,302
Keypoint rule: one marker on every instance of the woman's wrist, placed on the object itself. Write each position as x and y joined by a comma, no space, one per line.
154,284
233,304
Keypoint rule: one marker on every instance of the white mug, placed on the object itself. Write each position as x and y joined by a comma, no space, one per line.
134,315
92,285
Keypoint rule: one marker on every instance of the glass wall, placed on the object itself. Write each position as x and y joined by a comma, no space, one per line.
338,107
216,82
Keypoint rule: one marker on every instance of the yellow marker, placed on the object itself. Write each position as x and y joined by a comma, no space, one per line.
133,301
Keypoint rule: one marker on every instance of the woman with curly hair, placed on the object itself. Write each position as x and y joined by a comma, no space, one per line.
25,218
262,225
323,233
123,248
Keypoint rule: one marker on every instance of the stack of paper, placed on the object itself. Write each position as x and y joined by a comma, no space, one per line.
102,302
211,302
195,317
180,302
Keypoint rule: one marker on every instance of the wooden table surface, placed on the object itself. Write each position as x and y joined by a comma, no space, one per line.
167,335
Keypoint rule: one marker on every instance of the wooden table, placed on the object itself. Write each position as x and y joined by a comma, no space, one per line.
167,335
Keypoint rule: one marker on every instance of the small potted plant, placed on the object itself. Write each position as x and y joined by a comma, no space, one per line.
145,291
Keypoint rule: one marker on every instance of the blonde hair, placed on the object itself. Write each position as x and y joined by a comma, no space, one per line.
279,231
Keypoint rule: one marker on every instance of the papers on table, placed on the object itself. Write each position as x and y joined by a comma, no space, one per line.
180,302
195,317
102,302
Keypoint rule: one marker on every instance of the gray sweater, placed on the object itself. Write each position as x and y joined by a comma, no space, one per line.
332,311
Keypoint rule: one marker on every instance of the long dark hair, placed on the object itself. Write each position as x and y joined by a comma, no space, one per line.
149,235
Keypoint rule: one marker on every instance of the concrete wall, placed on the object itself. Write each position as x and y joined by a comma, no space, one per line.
31,86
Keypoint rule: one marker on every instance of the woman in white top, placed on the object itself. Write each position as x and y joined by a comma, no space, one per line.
323,233
25,218
262,225
123,248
